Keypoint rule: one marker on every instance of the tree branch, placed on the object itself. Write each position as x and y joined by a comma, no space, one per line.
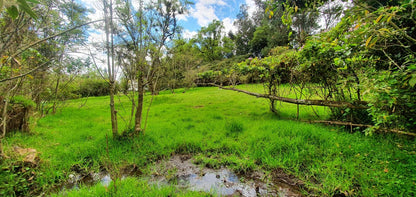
53,36
327,103
360,125
27,73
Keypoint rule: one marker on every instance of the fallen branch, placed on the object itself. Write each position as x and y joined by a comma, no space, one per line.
359,125
360,105
327,103
339,123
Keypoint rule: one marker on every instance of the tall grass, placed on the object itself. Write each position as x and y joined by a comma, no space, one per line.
222,127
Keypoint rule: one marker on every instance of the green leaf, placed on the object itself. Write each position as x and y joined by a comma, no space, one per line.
1,5
13,12
412,81
33,1
26,8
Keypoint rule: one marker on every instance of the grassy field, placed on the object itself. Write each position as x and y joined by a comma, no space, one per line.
219,127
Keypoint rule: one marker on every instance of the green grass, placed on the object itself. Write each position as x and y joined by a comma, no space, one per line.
220,127
131,187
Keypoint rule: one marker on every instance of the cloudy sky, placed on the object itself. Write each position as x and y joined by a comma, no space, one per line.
200,14
205,11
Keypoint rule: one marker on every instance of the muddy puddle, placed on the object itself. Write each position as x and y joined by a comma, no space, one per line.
76,180
179,170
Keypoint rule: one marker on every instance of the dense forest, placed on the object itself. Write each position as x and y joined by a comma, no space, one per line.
348,64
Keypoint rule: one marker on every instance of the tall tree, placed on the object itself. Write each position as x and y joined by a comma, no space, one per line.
301,16
149,29
109,35
75,14
245,31
212,44
270,33
181,65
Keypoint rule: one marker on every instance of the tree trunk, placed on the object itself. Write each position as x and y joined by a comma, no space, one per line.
273,106
110,62
4,116
139,107
55,101
114,124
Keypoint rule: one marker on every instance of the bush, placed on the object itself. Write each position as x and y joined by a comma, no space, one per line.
94,87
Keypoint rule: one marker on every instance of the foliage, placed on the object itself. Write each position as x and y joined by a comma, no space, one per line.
271,33
93,87
275,69
181,67
23,101
388,34
327,159
13,7
210,76
357,60
212,45
246,28
17,179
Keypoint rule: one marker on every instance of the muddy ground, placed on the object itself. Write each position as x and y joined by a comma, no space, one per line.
180,170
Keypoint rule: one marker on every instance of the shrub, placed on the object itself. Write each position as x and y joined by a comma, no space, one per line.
94,87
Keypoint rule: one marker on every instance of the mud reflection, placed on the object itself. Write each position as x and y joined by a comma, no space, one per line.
222,182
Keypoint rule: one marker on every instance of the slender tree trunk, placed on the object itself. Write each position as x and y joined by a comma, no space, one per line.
4,116
114,124
110,64
139,107
3,123
140,77
55,100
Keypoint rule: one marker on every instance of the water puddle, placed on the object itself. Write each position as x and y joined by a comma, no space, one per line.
80,177
76,180
179,170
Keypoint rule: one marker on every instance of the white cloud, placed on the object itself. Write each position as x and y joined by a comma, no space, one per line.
229,25
189,34
252,8
204,14
212,2
204,11
182,17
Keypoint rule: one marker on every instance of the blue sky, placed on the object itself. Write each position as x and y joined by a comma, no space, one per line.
204,11
200,14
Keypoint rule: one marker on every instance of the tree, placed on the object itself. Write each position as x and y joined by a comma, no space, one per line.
211,42
109,34
299,15
181,65
149,30
13,7
76,15
25,49
331,12
270,33
245,32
